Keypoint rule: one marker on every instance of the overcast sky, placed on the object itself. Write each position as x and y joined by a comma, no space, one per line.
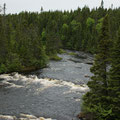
16,6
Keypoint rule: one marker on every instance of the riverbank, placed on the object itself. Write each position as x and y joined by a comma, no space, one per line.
76,54
52,92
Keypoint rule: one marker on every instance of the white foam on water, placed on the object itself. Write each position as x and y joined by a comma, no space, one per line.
23,117
46,82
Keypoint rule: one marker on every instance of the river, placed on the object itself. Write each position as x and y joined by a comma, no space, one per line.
53,92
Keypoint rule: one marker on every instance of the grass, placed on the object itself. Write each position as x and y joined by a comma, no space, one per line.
72,53
61,51
55,58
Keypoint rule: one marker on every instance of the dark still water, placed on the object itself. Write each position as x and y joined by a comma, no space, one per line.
54,92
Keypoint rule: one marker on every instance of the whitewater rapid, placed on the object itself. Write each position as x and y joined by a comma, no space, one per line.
54,92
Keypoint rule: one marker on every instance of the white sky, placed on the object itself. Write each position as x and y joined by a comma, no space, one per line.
16,6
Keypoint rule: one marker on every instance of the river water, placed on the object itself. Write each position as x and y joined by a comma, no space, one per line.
53,92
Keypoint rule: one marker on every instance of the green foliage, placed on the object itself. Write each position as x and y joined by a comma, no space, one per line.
13,62
64,36
72,53
99,25
21,45
61,51
114,79
53,44
96,101
90,22
55,58
98,112
3,68
44,37
102,113
65,27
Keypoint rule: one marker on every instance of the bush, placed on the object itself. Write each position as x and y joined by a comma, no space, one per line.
72,53
55,57
61,51
13,62
3,68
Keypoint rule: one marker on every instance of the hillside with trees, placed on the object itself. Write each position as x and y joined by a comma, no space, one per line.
27,40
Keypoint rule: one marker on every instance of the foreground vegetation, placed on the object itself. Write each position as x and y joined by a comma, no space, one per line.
102,101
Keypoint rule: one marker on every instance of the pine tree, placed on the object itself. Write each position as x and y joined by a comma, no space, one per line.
3,46
102,4
114,82
96,98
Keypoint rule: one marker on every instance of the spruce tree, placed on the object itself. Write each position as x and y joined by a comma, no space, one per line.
114,82
102,4
95,101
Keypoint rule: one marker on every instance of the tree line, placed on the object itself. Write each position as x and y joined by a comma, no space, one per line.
28,40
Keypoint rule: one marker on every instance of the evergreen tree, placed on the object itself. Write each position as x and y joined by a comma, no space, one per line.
65,35
96,98
90,34
102,4
114,81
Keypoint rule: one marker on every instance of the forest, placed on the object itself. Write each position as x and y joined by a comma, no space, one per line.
28,41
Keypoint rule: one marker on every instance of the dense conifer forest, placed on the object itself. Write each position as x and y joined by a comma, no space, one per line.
28,40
